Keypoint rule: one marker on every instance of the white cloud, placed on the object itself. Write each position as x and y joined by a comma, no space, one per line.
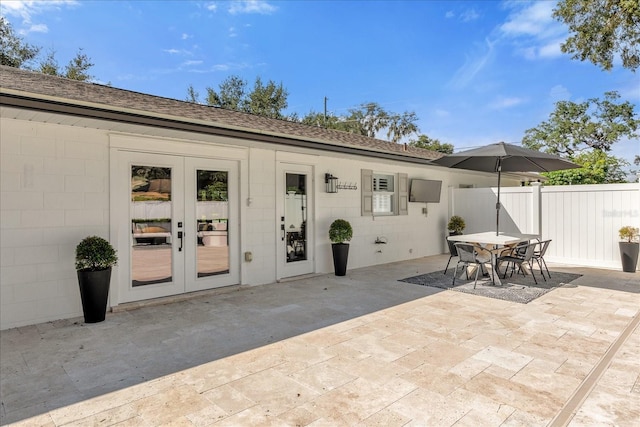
532,21
533,30
251,6
185,36
506,102
37,28
232,32
191,63
466,16
212,7
469,15
26,9
551,49
472,66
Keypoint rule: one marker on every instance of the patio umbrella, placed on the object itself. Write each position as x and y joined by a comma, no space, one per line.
503,157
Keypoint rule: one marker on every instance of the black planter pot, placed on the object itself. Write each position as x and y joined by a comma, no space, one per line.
340,256
455,233
629,256
94,290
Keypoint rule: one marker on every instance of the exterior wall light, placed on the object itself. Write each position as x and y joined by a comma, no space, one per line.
331,183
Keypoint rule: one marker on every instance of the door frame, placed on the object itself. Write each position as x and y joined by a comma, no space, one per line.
308,266
219,148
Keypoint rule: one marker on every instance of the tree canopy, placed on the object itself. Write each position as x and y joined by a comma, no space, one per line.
76,69
601,29
585,132
598,167
593,124
14,52
268,100
368,119
432,144
18,54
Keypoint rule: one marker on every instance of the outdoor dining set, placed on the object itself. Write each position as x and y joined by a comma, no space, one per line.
495,249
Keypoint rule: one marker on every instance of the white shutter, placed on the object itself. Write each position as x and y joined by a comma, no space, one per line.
366,186
403,194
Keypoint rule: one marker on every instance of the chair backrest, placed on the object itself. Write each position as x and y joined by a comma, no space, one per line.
452,247
521,248
529,250
466,252
543,247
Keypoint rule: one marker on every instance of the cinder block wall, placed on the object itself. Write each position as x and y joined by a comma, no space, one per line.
54,192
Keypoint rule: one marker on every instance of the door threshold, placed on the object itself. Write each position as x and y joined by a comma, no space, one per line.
300,277
127,306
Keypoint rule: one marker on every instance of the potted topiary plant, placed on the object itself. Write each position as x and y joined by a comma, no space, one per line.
94,259
340,232
629,248
456,225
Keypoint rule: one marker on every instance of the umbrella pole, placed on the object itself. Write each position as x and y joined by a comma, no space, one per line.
498,203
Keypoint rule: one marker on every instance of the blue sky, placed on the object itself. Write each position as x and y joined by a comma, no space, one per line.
474,72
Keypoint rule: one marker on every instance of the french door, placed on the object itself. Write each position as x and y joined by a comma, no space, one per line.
295,221
178,227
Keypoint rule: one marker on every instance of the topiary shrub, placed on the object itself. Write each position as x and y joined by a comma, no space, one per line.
456,224
95,253
340,231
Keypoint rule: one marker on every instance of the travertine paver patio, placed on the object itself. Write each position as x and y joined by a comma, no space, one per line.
358,350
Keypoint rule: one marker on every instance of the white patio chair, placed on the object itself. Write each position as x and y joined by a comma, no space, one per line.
538,256
516,259
469,254
453,252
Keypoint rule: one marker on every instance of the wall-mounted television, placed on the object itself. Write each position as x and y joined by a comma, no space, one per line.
425,190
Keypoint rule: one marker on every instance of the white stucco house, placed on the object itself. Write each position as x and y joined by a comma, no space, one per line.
192,197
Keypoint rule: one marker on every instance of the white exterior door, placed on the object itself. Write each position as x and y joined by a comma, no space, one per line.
177,224
295,221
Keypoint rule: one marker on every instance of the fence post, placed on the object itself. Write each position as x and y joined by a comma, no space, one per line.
536,208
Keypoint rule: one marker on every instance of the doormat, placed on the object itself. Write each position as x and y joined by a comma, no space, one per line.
517,288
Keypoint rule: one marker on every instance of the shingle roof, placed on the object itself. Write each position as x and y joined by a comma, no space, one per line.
94,95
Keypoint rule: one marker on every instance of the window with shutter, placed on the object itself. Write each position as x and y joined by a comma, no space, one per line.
384,193
384,197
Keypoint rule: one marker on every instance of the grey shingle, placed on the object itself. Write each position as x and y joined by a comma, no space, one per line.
111,98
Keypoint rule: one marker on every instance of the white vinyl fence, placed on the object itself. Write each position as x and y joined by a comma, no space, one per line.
582,220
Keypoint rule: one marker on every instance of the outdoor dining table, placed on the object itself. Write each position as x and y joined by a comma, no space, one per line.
494,243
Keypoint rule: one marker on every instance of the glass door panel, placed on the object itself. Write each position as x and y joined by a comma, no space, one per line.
211,223
295,222
151,211
212,220
295,226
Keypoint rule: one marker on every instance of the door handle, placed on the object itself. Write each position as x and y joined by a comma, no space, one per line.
180,237
282,231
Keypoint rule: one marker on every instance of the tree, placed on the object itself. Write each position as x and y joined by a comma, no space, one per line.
14,52
600,29
585,133
232,94
593,124
432,144
267,100
192,95
264,100
598,167
76,69
369,119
